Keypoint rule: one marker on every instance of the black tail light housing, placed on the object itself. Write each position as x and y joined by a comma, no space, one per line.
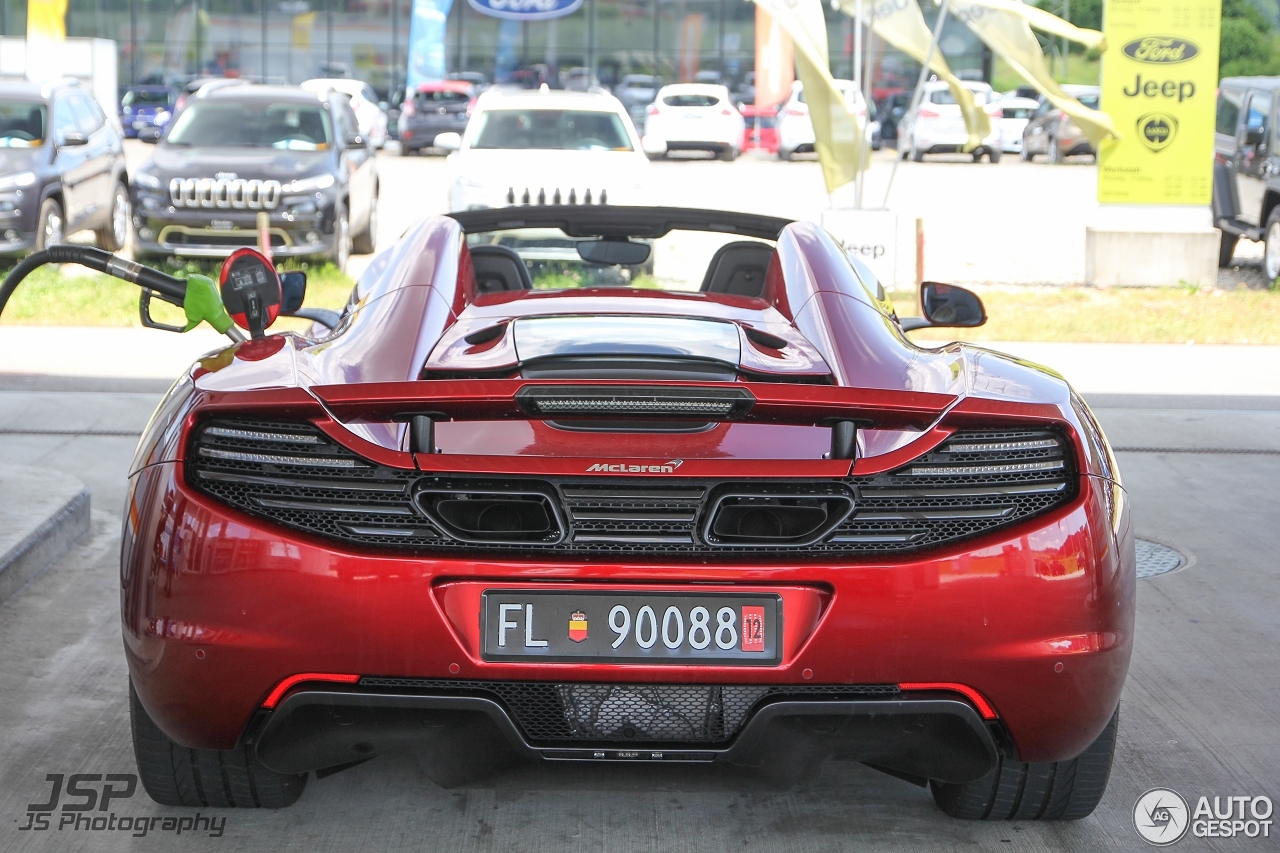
772,518
499,518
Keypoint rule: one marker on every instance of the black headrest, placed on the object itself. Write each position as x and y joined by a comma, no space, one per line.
499,268
738,269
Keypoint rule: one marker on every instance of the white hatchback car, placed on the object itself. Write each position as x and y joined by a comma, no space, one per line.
795,128
694,117
938,127
371,118
1014,114
546,147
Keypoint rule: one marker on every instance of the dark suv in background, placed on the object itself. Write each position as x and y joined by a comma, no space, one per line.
237,151
1246,167
61,169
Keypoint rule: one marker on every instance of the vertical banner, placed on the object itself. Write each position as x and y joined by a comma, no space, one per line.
426,42
1159,79
690,46
775,61
179,42
46,32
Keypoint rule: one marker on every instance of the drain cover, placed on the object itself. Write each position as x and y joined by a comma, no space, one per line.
1156,559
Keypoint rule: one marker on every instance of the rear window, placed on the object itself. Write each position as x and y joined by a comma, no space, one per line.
1228,111
1016,112
1090,101
22,124
691,100
564,130
134,98
944,97
436,99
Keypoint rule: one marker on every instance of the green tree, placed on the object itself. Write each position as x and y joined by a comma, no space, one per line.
1248,46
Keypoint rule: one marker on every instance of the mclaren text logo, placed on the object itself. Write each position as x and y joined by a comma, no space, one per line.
627,468
1162,50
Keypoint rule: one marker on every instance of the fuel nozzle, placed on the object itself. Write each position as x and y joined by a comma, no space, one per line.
250,291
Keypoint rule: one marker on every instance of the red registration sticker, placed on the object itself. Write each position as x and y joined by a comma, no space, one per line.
752,629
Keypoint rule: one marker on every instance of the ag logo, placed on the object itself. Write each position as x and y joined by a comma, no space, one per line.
1162,50
1161,816
1156,130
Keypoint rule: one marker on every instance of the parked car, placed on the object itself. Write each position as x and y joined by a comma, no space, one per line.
795,129
371,117
191,87
760,128
636,92
62,169
694,117
1014,115
546,148
146,107
439,107
578,80
1246,169
395,102
1051,132
626,525
938,126
479,82
236,151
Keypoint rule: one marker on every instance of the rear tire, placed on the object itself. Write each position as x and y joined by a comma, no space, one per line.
1227,249
1271,246
112,236
208,778
729,154
1017,790
784,154
917,156
341,250
993,155
1054,152
1025,153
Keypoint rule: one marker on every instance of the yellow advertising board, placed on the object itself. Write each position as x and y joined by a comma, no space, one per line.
1159,84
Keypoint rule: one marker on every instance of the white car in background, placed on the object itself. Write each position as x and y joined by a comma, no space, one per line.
694,117
795,128
546,147
938,127
370,117
1014,114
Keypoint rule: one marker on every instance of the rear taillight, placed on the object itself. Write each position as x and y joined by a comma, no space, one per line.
927,113
795,112
1062,116
726,112
653,110
407,110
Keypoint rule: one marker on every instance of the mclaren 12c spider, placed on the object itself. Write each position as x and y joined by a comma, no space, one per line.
592,483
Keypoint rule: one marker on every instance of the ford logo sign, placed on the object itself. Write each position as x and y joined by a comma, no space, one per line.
1163,50
526,10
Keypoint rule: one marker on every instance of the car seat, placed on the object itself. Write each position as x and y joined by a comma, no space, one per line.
738,269
499,268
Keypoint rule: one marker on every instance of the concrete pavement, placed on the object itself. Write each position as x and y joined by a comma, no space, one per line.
1199,713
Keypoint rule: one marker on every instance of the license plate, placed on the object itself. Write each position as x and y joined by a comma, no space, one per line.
631,627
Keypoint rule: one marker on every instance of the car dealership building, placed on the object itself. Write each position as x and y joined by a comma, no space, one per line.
292,40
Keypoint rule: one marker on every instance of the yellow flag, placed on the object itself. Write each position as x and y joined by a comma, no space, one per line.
902,25
1047,22
840,137
1007,32
300,30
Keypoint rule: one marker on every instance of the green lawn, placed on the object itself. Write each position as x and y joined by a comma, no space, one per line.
1080,69
74,296
1119,315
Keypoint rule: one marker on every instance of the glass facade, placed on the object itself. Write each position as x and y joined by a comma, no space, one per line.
292,40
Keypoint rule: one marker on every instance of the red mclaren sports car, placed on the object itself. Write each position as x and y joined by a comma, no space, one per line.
591,483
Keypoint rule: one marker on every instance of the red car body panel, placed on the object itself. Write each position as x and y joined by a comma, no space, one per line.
219,607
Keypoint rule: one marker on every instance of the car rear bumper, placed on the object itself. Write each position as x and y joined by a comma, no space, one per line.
220,609
927,736
422,134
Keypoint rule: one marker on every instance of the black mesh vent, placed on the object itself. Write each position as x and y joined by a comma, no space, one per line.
630,713
290,473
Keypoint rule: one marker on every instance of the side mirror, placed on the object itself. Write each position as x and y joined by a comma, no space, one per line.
149,135
447,141
1254,135
653,146
250,291
948,305
355,140
73,139
293,290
